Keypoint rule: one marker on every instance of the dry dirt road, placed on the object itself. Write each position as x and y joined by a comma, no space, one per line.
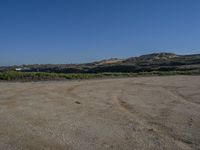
144,113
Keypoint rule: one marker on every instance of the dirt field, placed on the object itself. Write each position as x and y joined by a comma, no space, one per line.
122,114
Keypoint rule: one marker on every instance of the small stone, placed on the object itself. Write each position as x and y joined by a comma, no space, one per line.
150,130
77,102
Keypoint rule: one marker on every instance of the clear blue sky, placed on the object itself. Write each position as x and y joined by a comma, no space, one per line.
75,31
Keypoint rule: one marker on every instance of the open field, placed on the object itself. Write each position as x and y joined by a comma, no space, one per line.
121,114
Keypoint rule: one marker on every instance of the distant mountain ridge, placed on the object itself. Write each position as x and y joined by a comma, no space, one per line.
144,63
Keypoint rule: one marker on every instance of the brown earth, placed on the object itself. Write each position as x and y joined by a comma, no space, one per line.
120,114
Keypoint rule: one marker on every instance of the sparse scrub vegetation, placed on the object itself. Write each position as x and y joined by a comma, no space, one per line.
37,76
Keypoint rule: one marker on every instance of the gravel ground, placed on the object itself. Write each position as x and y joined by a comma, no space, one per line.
144,113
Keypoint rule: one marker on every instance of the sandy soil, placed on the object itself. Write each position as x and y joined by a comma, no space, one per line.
120,114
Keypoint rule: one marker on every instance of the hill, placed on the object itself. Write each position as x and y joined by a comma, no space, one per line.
150,64
143,63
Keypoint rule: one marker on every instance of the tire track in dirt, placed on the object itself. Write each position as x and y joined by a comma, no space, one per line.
63,92
115,98
156,127
184,101
173,90
183,98
72,88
